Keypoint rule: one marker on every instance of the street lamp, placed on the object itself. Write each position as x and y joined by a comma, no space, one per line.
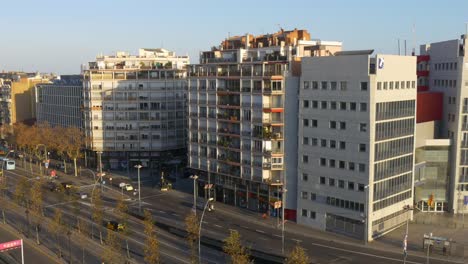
199,228
194,177
407,208
95,181
139,187
99,153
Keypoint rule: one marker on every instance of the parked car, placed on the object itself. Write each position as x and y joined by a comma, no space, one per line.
128,187
115,226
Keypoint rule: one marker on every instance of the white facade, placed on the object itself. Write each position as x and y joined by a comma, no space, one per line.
447,68
60,104
356,129
135,106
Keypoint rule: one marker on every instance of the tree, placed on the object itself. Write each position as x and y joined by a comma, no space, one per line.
37,201
235,250
75,142
121,210
20,192
192,227
151,243
97,210
56,228
110,254
3,196
298,256
75,200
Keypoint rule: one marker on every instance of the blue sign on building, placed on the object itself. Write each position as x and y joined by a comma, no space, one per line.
465,201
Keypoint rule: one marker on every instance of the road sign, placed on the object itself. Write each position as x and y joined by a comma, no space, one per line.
10,245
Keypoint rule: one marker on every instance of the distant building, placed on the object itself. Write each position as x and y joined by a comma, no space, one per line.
243,118
22,106
134,107
60,103
5,103
357,117
443,88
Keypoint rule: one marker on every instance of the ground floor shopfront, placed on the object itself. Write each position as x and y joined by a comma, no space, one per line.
254,196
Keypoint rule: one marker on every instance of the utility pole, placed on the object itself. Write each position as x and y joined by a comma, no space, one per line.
194,177
139,187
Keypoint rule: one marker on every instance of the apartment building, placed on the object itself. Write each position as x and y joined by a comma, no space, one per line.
60,103
356,142
20,95
5,102
134,107
243,118
443,68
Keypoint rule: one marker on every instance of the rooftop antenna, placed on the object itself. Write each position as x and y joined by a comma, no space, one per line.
405,47
413,52
399,53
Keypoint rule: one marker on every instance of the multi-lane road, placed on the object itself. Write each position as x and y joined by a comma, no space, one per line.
171,208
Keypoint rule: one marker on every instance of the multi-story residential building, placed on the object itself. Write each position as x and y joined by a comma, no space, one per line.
243,117
21,93
134,107
356,142
5,102
60,103
443,67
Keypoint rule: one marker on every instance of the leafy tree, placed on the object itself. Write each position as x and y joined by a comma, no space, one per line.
37,201
97,210
3,196
192,227
121,210
151,243
233,247
110,254
298,256
56,227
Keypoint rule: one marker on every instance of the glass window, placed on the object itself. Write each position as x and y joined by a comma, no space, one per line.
341,184
333,85
363,86
304,212
314,85
324,85
322,180
331,182
305,176
343,85
350,185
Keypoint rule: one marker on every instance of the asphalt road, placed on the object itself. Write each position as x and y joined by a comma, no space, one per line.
172,207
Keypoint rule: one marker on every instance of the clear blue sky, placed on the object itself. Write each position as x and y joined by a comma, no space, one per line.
59,35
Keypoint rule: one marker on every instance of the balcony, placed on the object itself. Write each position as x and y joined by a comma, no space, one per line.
422,58
465,126
229,131
423,73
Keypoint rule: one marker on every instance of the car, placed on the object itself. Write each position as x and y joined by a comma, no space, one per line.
67,185
128,187
115,226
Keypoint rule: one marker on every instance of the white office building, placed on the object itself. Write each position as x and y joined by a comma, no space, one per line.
356,142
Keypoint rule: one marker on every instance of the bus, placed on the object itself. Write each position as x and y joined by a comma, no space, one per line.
8,164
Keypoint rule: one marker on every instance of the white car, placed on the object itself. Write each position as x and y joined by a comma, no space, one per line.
128,187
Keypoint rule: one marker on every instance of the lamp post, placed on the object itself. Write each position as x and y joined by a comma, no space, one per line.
139,187
99,153
194,177
407,208
199,229
95,181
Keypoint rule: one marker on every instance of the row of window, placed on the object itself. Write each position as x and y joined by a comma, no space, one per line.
445,83
332,85
333,144
341,164
389,168
392,200
351,205
342,184
396,109
307,213
445,66
393,129
396,85
333,105
392,186
388,149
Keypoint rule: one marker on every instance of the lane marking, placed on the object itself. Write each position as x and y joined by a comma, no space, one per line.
277,235
297,240
218,226
259,231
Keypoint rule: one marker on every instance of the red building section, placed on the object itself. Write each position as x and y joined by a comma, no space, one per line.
429,106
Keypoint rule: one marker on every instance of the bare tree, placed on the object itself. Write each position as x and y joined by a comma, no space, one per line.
56,227
121,210
151,243
97,210
75,142
298,256
233,247
192,227
37,201
112,248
